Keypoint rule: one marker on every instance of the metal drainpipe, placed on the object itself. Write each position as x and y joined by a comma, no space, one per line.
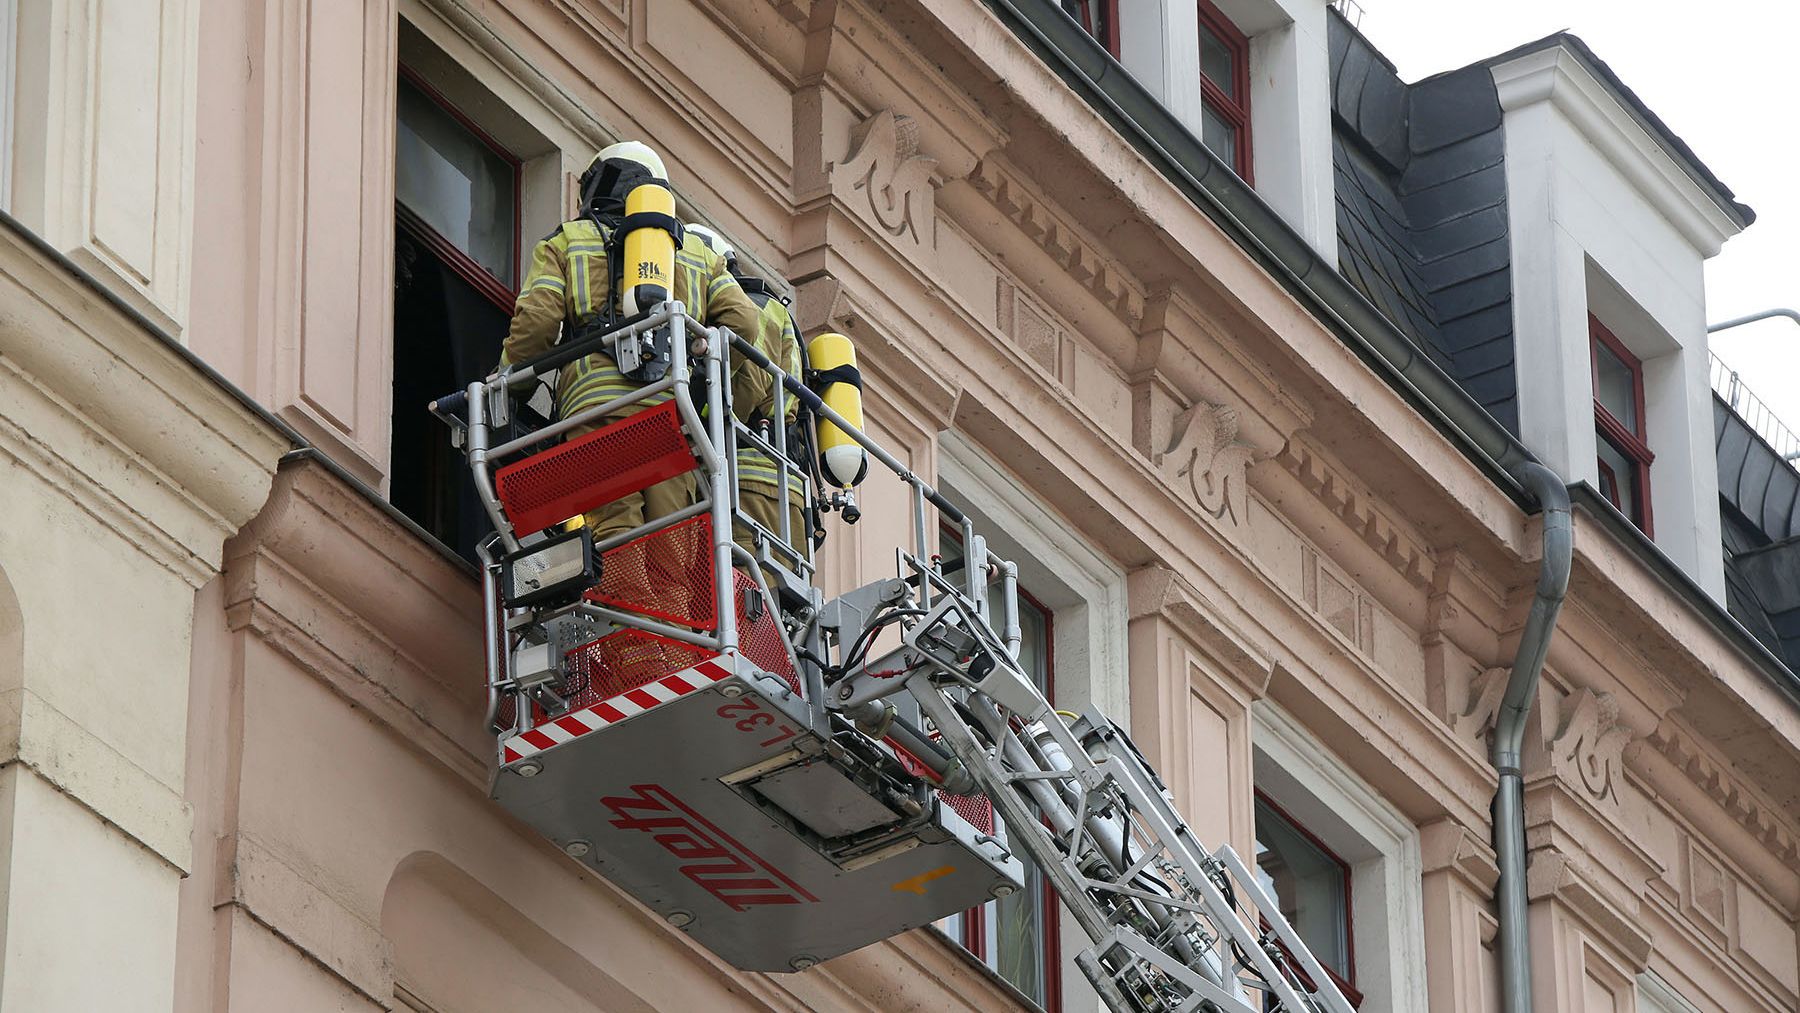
1514,938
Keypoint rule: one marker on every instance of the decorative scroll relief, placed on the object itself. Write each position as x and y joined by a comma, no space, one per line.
1588,744
885,173
1206,461
1586,748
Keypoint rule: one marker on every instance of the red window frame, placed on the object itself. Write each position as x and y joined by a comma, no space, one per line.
1345,985
974,920
1109,9
484,281
1233,111
1631,442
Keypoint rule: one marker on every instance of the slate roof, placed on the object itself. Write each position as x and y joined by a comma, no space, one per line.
1422,233
1421,211
1759,505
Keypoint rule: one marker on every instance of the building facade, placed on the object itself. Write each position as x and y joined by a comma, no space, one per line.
1227,335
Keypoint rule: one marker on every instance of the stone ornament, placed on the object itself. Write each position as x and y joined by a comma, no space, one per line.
885,169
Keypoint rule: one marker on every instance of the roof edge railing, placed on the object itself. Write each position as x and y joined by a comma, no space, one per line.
1756,413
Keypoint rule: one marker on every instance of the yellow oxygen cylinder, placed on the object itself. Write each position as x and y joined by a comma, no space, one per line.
841,459
647,275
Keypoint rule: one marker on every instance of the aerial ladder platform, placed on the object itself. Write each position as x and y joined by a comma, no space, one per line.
786,777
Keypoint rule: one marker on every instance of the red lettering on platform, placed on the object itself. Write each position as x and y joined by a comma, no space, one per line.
721,866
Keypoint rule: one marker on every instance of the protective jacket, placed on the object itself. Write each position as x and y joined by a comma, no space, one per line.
570,282
785,351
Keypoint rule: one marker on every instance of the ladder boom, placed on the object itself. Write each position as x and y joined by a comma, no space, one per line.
690,672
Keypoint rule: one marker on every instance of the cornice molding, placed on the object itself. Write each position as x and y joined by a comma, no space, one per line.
1748,807
124,424
1352,502
1068,246
1553,874
93,774
331,582
1556,76
1158,591
1447,845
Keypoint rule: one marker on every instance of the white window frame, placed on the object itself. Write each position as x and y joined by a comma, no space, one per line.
1084,590
1290,95
1085,593
1380,844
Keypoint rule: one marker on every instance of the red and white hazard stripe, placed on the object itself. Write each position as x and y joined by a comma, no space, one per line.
611,711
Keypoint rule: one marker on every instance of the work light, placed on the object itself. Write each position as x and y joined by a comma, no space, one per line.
552,571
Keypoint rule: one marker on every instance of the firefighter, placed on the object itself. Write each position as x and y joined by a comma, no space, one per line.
758,479
571,284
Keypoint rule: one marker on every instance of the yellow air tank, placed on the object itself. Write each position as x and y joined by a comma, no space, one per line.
841,459
647,275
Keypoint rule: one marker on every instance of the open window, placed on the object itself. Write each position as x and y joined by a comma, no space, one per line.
1312,886
456,267
1620,438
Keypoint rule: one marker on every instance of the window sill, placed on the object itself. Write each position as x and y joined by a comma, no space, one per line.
987,973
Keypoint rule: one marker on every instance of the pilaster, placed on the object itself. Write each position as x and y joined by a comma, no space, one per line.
126,469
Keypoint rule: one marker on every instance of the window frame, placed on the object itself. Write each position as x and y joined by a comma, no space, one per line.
1234,111
972,934
1110,8
1632,443
974,921
1346,986
484,281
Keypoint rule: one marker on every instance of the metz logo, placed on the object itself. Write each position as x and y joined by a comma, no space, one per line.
708,856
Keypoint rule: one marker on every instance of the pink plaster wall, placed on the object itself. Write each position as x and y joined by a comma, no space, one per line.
1087,329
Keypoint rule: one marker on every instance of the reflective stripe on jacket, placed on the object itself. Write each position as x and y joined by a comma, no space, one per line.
569,281
778,325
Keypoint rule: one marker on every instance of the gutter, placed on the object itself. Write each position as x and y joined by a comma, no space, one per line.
1141,119
1514,935
1143,122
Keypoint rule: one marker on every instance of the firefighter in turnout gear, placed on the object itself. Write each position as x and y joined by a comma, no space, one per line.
758,478
571,284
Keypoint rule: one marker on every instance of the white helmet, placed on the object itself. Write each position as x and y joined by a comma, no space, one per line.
632,151
714,242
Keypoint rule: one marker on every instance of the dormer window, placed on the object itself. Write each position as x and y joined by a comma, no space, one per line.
1224,89
1619,436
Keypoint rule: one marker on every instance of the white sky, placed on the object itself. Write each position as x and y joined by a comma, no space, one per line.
1725,77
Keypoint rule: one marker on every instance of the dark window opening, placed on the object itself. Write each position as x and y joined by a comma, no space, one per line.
1224,89
1621,439
455,274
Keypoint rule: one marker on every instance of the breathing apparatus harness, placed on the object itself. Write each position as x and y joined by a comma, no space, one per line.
635,213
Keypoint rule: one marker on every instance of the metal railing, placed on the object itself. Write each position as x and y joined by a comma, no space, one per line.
1351,10
1755,412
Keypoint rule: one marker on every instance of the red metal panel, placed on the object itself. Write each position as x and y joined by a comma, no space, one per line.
665,574
627,456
